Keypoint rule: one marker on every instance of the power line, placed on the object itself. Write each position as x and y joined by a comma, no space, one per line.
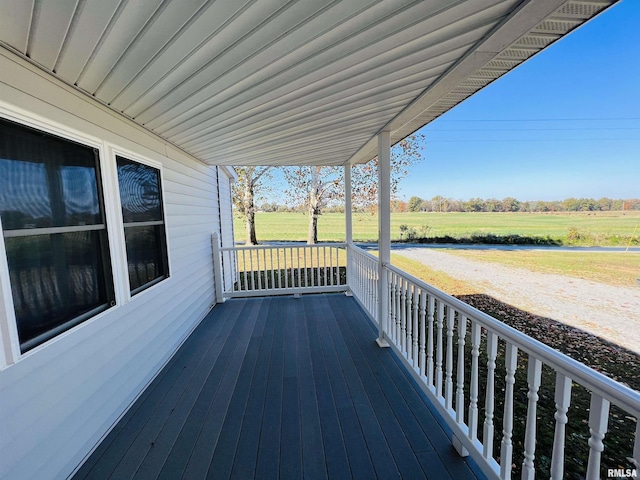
543,119
529,129
539,140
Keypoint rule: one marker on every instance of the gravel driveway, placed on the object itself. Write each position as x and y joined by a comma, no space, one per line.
612,313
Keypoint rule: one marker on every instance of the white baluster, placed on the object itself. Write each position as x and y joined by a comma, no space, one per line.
398,315
563,400
598,420
506,446
394,330
258,269
324,264
244,267
410,288
423,333
534,374
440,321
473,392
279,268
462,333
273,279
403,316
448,392
253,273
285,262
430,320
416,329
303,270
489,401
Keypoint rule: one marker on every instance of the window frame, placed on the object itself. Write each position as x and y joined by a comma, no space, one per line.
10,347
128,294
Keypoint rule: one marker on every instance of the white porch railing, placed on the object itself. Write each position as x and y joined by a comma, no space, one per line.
282,269
433,333
451,349
362,279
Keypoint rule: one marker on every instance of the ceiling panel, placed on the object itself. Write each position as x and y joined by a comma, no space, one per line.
280,81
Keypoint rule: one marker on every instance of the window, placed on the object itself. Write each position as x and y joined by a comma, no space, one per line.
54,230
144,231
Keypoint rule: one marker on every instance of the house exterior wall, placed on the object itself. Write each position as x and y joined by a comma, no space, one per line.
59,399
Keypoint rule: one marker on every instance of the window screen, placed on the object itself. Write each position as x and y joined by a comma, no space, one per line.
54,230
144,229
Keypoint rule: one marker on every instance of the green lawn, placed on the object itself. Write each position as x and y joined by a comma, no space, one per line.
618,269
601,228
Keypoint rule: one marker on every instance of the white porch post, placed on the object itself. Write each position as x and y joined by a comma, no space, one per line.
384,232
348,224
347,205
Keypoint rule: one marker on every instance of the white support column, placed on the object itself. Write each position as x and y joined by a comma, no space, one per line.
384,232
347,205
348,225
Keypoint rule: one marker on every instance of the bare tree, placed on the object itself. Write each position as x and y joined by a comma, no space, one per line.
250,180
315,186
364,177
312,187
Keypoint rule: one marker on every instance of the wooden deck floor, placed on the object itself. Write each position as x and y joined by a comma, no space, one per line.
280,388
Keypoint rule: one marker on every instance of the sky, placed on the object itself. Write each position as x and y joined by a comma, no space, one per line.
564,124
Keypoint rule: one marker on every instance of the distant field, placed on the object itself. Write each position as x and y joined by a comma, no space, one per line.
594,228
618,269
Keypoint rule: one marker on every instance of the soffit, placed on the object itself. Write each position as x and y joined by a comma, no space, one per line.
277,82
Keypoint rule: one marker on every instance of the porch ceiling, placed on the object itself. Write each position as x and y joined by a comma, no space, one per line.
281,82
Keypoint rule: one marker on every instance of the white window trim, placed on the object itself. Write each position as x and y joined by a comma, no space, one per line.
114,151
10,352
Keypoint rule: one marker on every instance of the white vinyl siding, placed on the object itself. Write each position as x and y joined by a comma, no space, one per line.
59,399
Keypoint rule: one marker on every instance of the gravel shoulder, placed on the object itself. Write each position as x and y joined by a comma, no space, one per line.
612,313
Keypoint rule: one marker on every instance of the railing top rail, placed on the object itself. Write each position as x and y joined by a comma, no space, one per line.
363,252
620,395
282,245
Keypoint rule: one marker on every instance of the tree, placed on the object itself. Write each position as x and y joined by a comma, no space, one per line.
415,204
364,178
436,203
250,179
312,187
316,186
510,204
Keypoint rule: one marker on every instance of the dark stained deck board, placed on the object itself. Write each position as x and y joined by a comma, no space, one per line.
428,440
249,440
174,378
280,388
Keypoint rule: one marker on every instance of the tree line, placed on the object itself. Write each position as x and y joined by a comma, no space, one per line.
510,204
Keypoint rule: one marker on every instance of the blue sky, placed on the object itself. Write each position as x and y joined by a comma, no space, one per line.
566,123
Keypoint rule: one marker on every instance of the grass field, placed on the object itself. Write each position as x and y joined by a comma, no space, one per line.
589,228
618,269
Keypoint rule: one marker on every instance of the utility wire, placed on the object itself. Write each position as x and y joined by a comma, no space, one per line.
539,140
542,119
528,129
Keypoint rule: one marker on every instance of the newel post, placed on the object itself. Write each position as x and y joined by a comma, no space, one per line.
384,232
217,267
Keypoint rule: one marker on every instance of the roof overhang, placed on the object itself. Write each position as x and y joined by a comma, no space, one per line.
283,82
